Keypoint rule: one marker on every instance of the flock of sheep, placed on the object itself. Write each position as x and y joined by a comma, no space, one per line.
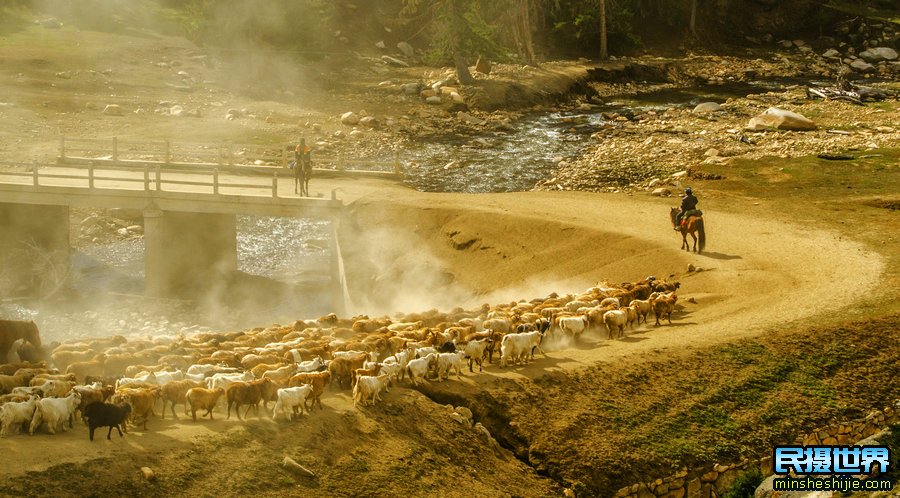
111,382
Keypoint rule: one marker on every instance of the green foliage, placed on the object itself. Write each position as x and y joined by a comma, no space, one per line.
460,27
745,485
576,25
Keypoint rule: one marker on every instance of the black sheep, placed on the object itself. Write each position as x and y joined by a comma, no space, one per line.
106,415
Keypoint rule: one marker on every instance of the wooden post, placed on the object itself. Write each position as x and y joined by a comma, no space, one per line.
168,155
146,177
34,174
62,147
275,184
216,181
91,174
115,154
158,179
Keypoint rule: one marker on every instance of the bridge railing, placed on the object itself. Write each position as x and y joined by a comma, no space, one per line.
250,157
154,178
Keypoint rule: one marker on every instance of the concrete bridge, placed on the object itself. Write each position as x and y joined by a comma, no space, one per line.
189,216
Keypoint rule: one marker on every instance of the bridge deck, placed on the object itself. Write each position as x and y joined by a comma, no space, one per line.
202,190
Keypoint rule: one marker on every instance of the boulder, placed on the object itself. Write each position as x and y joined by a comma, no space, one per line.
706,107
368,121
411,88
113,110
831,54
406,48
350,118
391,61
356,134
878,54
483,66
467,118
862,66
380,45
433,100
661,192
176,110
457,98
780,119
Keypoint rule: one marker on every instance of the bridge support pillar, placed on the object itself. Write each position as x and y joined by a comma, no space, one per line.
188,254
34,248
339,295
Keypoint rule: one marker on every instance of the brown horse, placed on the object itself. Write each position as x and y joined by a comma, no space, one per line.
694,224
302,173
13,330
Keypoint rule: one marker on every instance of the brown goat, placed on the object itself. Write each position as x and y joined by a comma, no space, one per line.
342,368
175,392
318,381
247,393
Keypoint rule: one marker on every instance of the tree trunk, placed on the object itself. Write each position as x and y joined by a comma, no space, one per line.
525,23
604,54
462,71
693,24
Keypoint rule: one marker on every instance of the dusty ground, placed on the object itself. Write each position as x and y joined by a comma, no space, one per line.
794,313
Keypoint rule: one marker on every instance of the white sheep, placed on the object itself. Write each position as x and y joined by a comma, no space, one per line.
15,414
291,398
615,320
367,387
447,362
55,412
474,351
419,367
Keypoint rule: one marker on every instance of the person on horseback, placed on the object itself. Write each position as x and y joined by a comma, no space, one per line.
688,203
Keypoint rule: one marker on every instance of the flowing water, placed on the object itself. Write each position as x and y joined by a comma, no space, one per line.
509,161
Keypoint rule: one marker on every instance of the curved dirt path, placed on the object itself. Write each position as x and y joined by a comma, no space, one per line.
758,273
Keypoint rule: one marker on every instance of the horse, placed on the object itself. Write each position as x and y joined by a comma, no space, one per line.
12,331
694,224
302,174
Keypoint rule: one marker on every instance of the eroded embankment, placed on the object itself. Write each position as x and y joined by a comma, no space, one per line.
605,427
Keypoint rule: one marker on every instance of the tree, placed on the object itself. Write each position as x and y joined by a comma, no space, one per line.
693,23
604,54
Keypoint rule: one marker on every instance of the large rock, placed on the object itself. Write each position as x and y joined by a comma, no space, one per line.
406,48
411,88
878,54
706,107
368,121
862,66
391,61
433,100
469,119
483,66
831,54
113,110
780,119
350,118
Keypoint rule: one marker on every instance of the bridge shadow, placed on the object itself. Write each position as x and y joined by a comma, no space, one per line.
718,255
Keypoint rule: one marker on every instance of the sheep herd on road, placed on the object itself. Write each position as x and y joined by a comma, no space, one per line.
112,382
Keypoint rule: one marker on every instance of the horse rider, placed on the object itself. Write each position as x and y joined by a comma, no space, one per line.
688,203
301,152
